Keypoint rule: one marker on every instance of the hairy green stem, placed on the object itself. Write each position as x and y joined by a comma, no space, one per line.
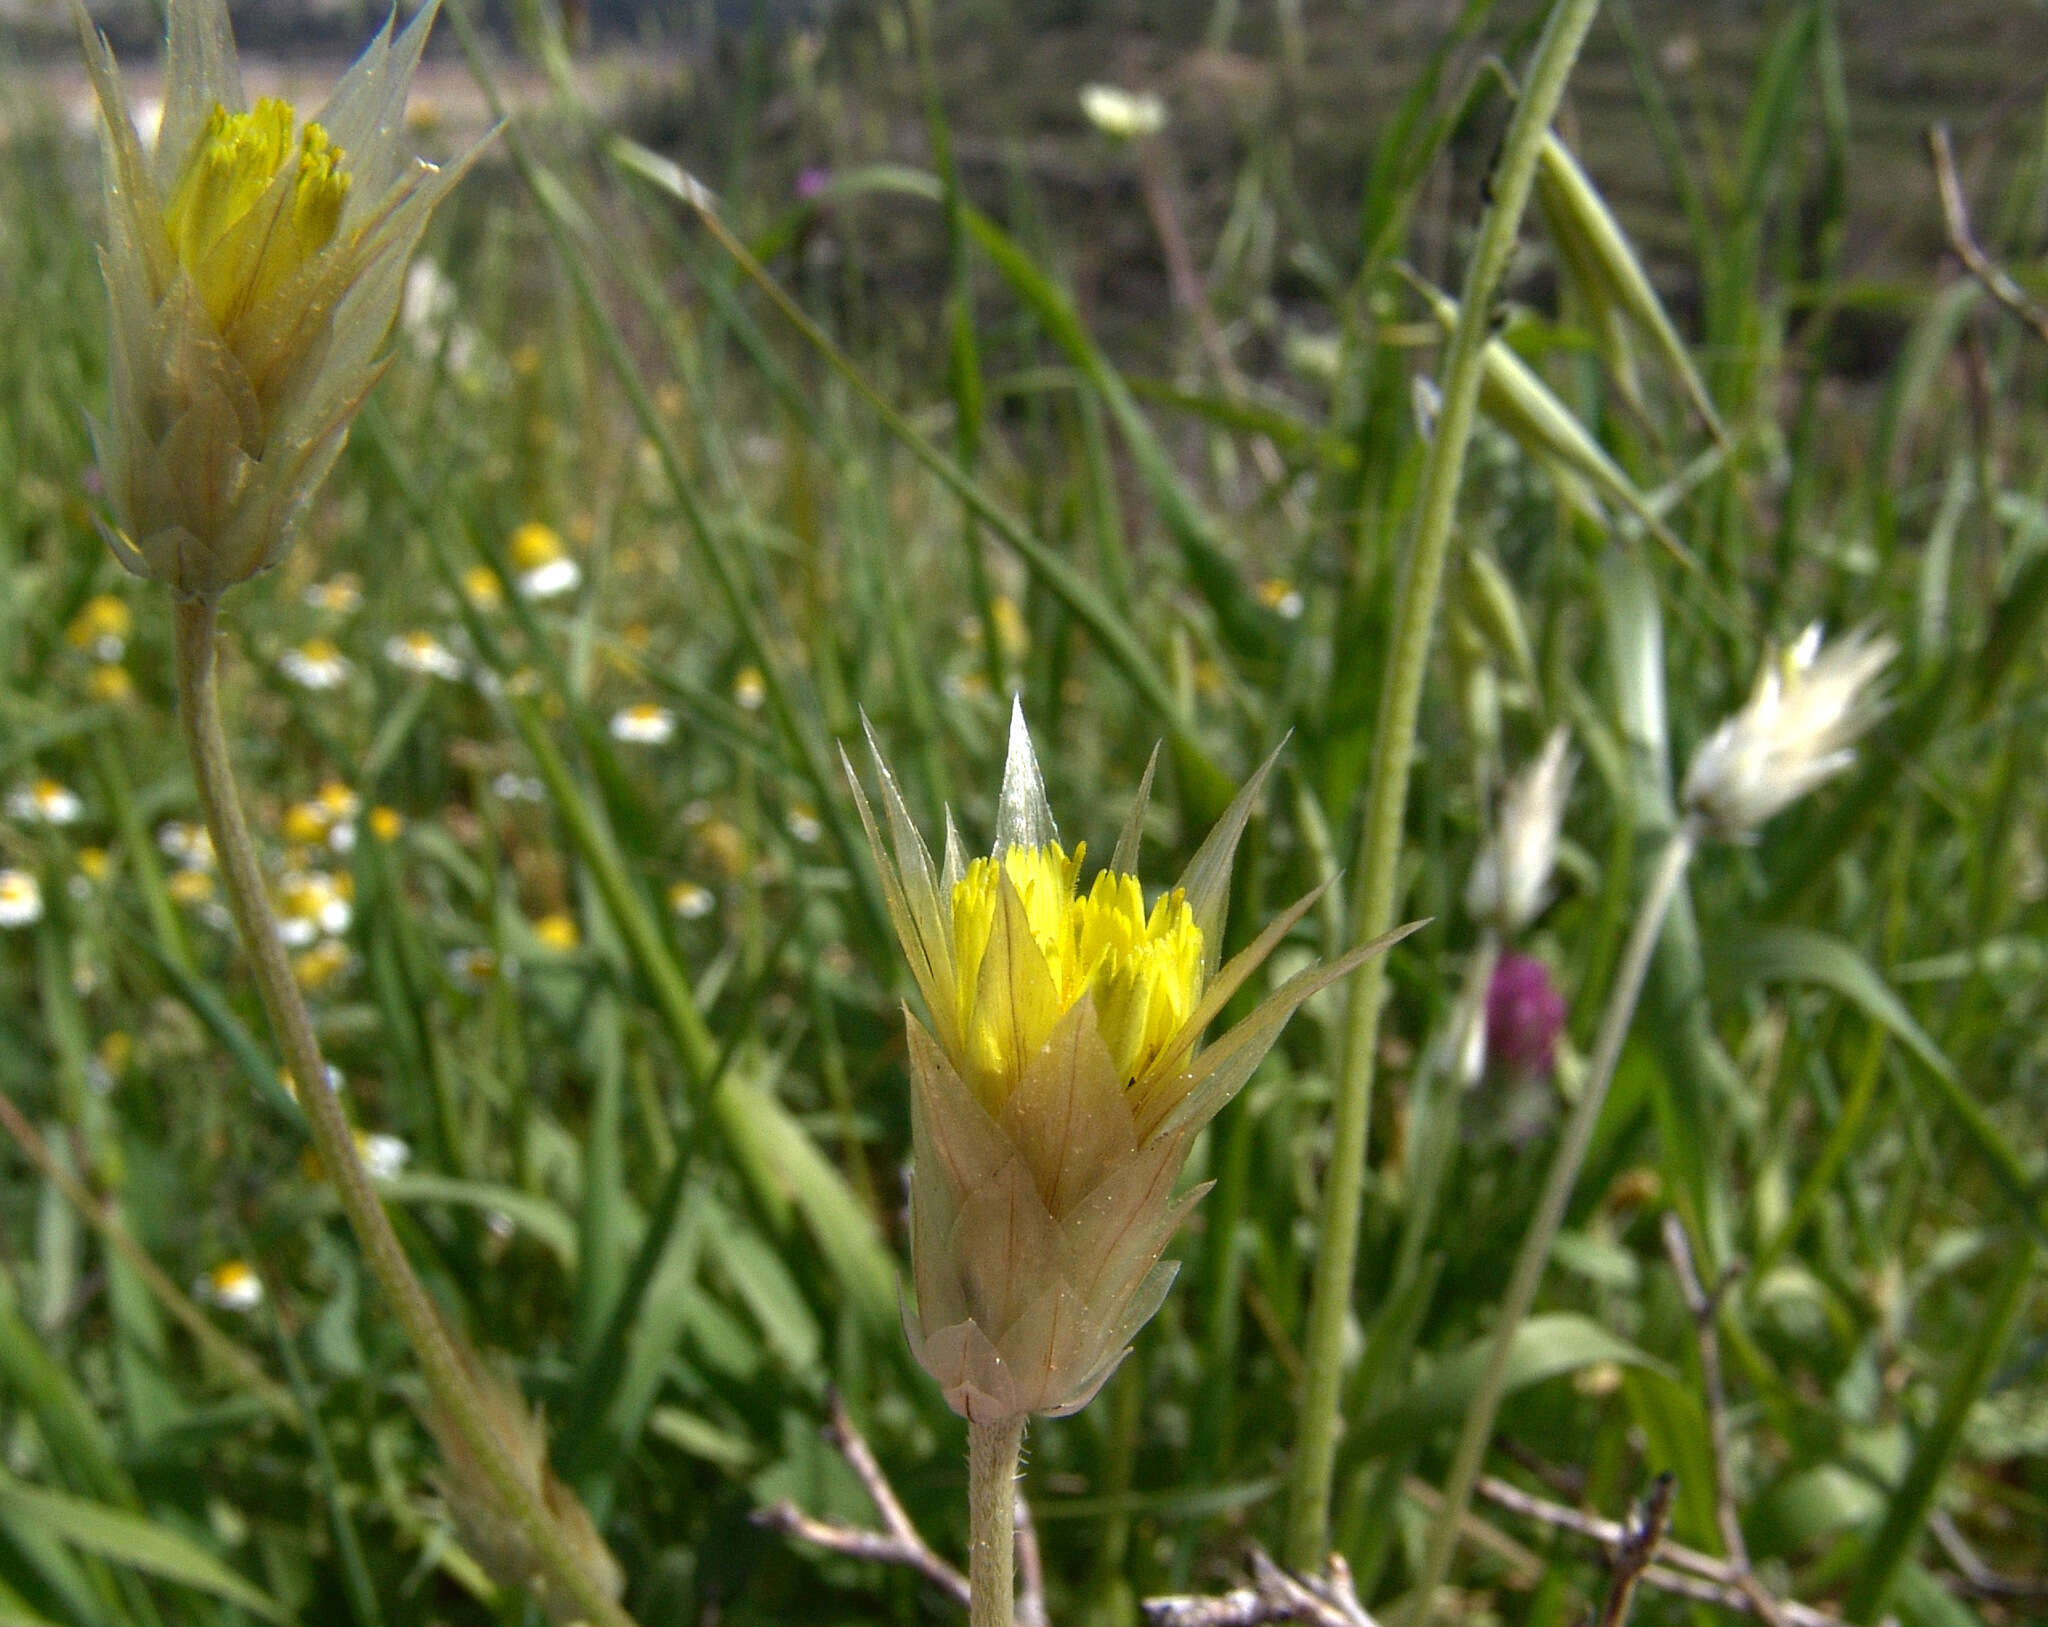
992,1453
1377,897
1534,1254
197,623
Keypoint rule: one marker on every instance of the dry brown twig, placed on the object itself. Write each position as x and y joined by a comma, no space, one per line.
1636,1553
899,1542
1679,1569
1706,1308
1275,1594
1994,278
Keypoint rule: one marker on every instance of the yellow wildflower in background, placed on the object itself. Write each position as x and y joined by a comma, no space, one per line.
101,628
1061,1085
254,263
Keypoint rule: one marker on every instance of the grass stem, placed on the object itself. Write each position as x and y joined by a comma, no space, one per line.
1534,1254
1377,899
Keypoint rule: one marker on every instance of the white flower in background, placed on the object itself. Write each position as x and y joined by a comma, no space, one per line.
339,595
1282,597
311,905
190,847
472,968
21,899
804,825
692,900
423,653
1510,881
749,689
514,787
1124,114
315,664
1809,705
384,1156
232,1286
45,802
540,564
644,725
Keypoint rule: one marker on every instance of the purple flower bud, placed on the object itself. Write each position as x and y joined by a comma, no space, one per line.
94,481
811,182
1524,1016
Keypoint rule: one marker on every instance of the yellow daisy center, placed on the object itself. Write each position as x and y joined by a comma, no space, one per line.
1142,969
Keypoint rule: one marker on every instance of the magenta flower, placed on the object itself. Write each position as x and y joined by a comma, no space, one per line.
1524,1016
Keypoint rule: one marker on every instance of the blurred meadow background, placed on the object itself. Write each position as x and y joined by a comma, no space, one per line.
778,365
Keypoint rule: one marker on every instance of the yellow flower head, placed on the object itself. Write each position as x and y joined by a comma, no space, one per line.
1143,972
1060,1086
254,263
251,207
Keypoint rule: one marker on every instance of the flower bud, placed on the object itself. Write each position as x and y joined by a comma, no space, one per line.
1807,709
1510,880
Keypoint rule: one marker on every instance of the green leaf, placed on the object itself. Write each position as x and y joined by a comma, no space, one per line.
1545,1347
131,1540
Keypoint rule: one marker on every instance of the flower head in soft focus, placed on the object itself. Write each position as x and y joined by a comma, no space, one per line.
644,725
340,595
1510,880
541,564
1125,114
692,900
316,664
1524,1017
1061,1084
102,628
21,900
422,653
1809,705
231,1286
253,262
45,802
749,689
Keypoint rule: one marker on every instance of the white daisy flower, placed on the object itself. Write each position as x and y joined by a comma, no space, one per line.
21,899
232,1286
315,664
691,900
45,802
384,1156
644,725
337,596
423,653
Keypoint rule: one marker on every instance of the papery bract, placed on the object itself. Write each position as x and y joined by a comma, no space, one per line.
1056,1094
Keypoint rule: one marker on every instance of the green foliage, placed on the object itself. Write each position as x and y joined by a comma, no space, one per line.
893,445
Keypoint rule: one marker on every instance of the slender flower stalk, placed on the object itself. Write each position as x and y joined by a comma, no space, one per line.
1054,1100
1797,730
253,266
1534,1253
459,1406
1378,898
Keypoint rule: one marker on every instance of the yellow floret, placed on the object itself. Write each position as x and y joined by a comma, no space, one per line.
224,221
1142,970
